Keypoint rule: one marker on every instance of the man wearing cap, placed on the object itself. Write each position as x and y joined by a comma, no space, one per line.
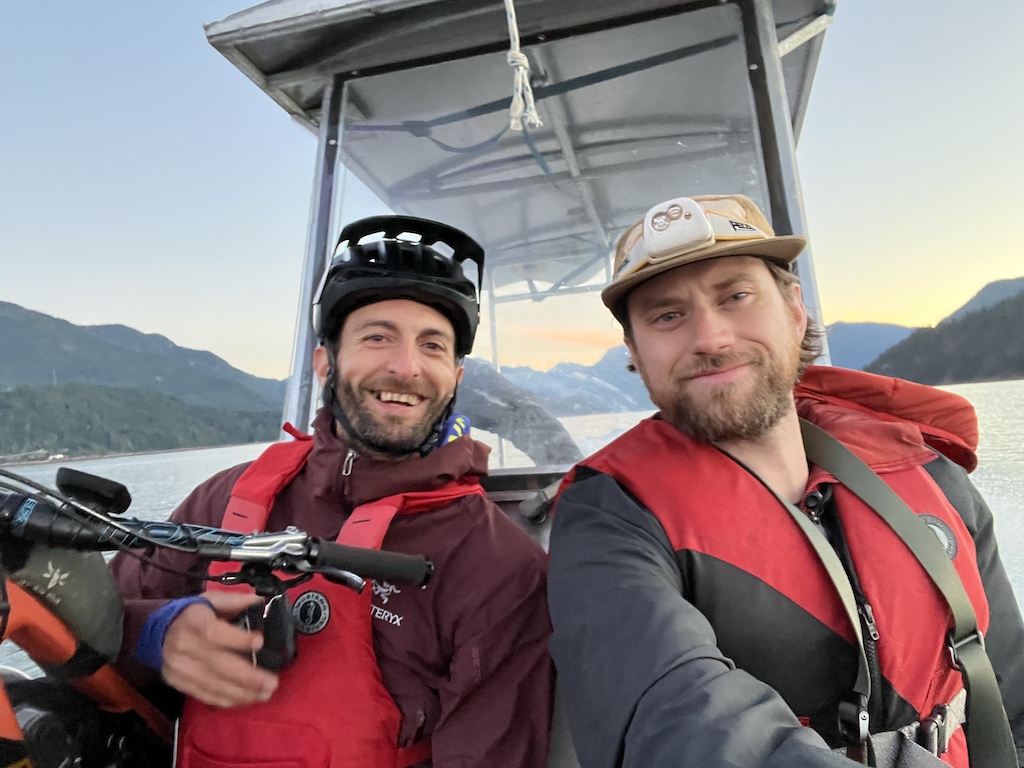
453,675
718,597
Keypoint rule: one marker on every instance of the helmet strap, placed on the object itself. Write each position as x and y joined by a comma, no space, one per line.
331,399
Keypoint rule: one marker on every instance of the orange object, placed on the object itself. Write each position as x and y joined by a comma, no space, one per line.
47,640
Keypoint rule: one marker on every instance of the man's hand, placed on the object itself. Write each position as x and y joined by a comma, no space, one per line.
210,659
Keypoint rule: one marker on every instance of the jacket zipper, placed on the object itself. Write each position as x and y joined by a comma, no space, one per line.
346,471
820,505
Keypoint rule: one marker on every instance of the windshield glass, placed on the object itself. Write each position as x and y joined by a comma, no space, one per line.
631,116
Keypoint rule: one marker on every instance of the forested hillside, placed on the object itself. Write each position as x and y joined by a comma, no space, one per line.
85,419
985,345
39,349
988,296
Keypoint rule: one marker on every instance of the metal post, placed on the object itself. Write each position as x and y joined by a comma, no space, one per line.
492,306
301,385
778,149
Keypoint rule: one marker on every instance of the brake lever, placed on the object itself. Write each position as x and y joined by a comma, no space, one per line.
345,578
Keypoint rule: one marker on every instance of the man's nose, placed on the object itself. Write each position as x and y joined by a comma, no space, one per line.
405,360
713,332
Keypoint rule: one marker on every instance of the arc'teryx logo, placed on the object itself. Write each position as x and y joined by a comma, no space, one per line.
384,590
387,616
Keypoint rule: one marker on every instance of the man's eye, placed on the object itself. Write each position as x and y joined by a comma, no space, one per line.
375,337
668,317
739,296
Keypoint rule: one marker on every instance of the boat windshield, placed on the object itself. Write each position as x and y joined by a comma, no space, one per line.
625,126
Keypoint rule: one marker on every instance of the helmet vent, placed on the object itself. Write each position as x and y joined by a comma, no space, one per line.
371,237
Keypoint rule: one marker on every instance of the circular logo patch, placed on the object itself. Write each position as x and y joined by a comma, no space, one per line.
942,532
311,612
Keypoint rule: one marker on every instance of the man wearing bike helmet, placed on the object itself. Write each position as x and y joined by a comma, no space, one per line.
454,674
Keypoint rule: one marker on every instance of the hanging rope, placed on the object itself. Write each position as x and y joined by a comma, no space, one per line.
523,109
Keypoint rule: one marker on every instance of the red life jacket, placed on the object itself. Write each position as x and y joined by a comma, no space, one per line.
331,708
694,478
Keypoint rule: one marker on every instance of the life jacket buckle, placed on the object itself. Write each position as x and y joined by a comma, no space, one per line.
853,726
956,645
932,733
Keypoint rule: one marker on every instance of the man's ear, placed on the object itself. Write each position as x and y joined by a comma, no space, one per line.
321,364
458,374
631,365
798,311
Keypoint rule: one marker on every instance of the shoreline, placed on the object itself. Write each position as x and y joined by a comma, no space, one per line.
95,456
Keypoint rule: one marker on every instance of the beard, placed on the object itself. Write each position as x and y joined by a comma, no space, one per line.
728,415
389,435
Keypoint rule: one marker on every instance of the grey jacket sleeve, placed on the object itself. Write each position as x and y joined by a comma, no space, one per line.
645,683
1004,640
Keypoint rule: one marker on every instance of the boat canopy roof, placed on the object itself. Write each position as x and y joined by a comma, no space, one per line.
641,101
292,48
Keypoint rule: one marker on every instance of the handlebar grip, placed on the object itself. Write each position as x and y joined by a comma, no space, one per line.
372,563
22,517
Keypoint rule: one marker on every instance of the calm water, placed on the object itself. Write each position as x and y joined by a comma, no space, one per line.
159,481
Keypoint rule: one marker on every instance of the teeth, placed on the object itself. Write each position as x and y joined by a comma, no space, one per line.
399,397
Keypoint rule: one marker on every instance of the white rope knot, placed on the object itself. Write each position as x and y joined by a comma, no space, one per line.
523,109
518,59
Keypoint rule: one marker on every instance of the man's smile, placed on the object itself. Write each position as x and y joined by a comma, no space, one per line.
399,398
720,375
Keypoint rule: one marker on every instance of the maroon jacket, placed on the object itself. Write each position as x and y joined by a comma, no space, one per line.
465,658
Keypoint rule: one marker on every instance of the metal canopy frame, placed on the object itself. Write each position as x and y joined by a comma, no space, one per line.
301,53
778,143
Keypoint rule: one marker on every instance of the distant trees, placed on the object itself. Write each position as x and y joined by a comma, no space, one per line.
85,419
987,345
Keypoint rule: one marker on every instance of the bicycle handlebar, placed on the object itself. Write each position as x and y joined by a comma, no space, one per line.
32,519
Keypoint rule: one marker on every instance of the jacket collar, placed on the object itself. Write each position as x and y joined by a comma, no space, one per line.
372,479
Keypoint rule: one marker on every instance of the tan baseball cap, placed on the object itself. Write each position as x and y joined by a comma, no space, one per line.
689,229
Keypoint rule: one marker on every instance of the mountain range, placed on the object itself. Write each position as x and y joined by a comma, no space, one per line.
992,294
983,345
855,345
979,341
37,349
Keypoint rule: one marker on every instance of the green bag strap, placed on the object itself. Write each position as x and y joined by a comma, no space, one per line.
989,741
854,724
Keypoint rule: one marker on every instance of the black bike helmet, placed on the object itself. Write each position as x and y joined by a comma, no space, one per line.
393,268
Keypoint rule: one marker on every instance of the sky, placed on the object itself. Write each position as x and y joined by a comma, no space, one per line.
145,181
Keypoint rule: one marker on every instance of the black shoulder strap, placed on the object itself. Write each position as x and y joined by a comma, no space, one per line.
989,741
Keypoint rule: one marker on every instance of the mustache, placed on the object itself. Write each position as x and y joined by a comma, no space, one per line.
712,363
